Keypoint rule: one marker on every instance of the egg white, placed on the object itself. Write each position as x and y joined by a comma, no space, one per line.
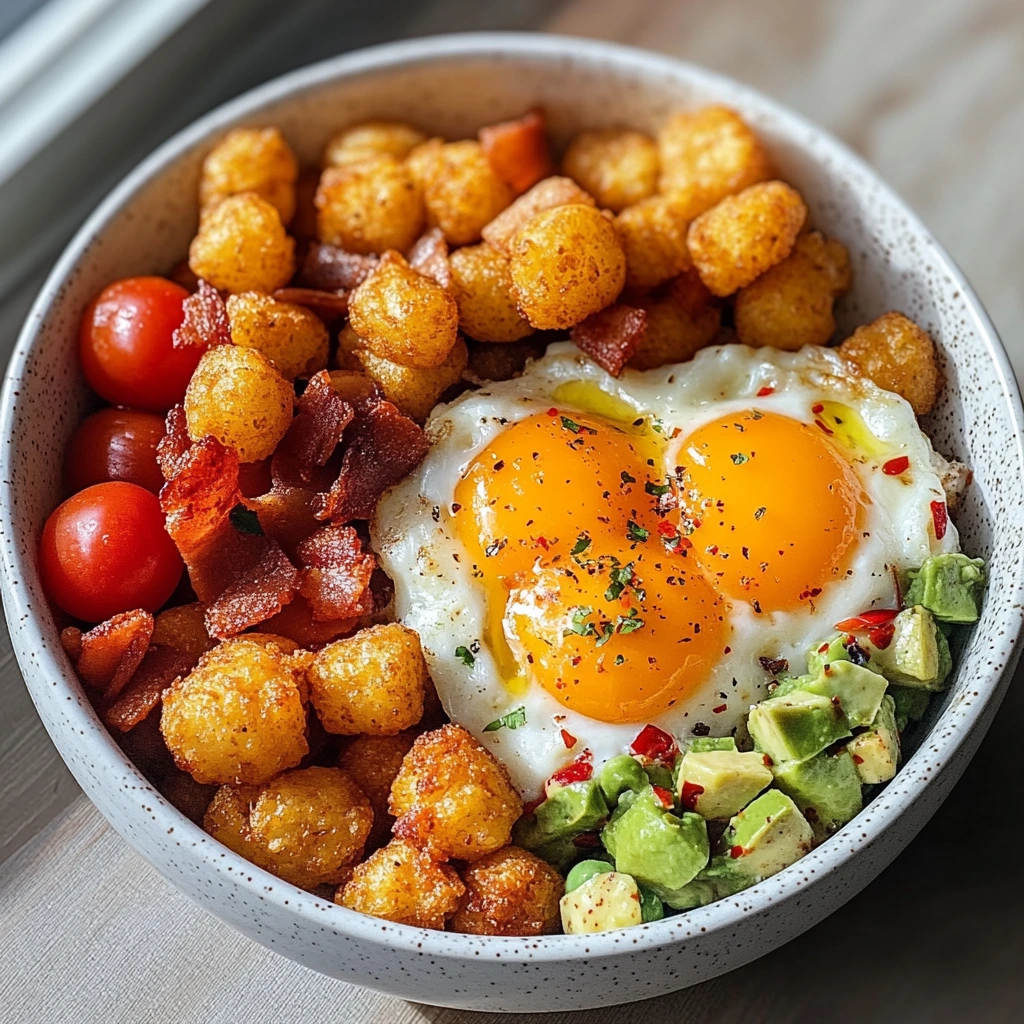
417,543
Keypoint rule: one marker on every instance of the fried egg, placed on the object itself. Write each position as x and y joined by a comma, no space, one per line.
583,555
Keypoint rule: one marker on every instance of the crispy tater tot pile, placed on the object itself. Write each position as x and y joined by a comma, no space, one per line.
332,307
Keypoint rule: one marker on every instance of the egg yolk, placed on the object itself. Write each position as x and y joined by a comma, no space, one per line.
565,517
771,507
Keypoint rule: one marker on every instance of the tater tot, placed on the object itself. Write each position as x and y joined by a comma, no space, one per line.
404,316
742,236
372,138
237,717
708,154
291,337
566,263
681,319
241,246
373,761
509,892
415,390
251,160
236,396
790,304
482,286
617,167
461,190
898,356
452,797
370,683
403,884
545,195
653,234
369,206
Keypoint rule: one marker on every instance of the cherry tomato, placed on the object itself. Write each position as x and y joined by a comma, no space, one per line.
115,444
128,355
105,550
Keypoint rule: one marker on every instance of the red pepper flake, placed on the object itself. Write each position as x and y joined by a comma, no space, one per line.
881,636
866,620
568,739
940,518
768,762
552,411
822,426
736,851
765,392
817,408
579,770
664,796
689,794
857,759
718,710
654,744
666,529
823,648
897,466
542,542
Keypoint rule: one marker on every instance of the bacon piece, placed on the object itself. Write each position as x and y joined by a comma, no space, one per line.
550,192
611,336
257,594
107,655
160,667
518,150
174,445
296,622
328,305
314,433
206,319
385,446
336,574
330,269
429,255
287,515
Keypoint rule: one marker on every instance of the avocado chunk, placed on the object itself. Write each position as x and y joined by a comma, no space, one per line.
825,788
702,744
918,654
603,902
661,850
718,783
584,871
911,704
949,585
768,835
651,906
660,775
797,725
842,647
876,753
858,690
570,810
619,774
715,882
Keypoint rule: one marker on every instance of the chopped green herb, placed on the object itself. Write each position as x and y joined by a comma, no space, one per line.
658,490
619,659
606,634
627,624
581,545
739,458
512,720
626,478
635,532
760,512
620,578
465,655
579,625
245,520
568,424
657,425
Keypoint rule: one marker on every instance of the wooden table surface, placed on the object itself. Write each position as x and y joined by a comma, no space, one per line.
932,93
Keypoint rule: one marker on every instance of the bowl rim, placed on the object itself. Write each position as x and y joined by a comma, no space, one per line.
285,898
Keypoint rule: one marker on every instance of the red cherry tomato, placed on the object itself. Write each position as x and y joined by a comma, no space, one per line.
105,550
128,355
115,444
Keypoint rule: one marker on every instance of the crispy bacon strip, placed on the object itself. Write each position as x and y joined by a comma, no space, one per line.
336,574
174,445
330,269
518,150
206,319
160,667
257,593
385,446
287,515
611,336
328,305
107,655
314,433
429,255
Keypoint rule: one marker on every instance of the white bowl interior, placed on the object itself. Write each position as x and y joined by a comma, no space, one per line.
452,89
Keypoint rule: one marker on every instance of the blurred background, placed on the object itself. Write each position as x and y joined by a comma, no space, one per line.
931,92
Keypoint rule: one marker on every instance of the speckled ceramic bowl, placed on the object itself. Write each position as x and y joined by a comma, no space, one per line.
452,85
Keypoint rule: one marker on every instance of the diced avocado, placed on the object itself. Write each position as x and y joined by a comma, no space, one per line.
602,903
577,807
660,849
660,775
559,853
620,773
715,882
718,783
860,652
651,907
702,744
858,689
876,753
796,726
825,788
584,871
768,835
949,585
918,654
911,704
